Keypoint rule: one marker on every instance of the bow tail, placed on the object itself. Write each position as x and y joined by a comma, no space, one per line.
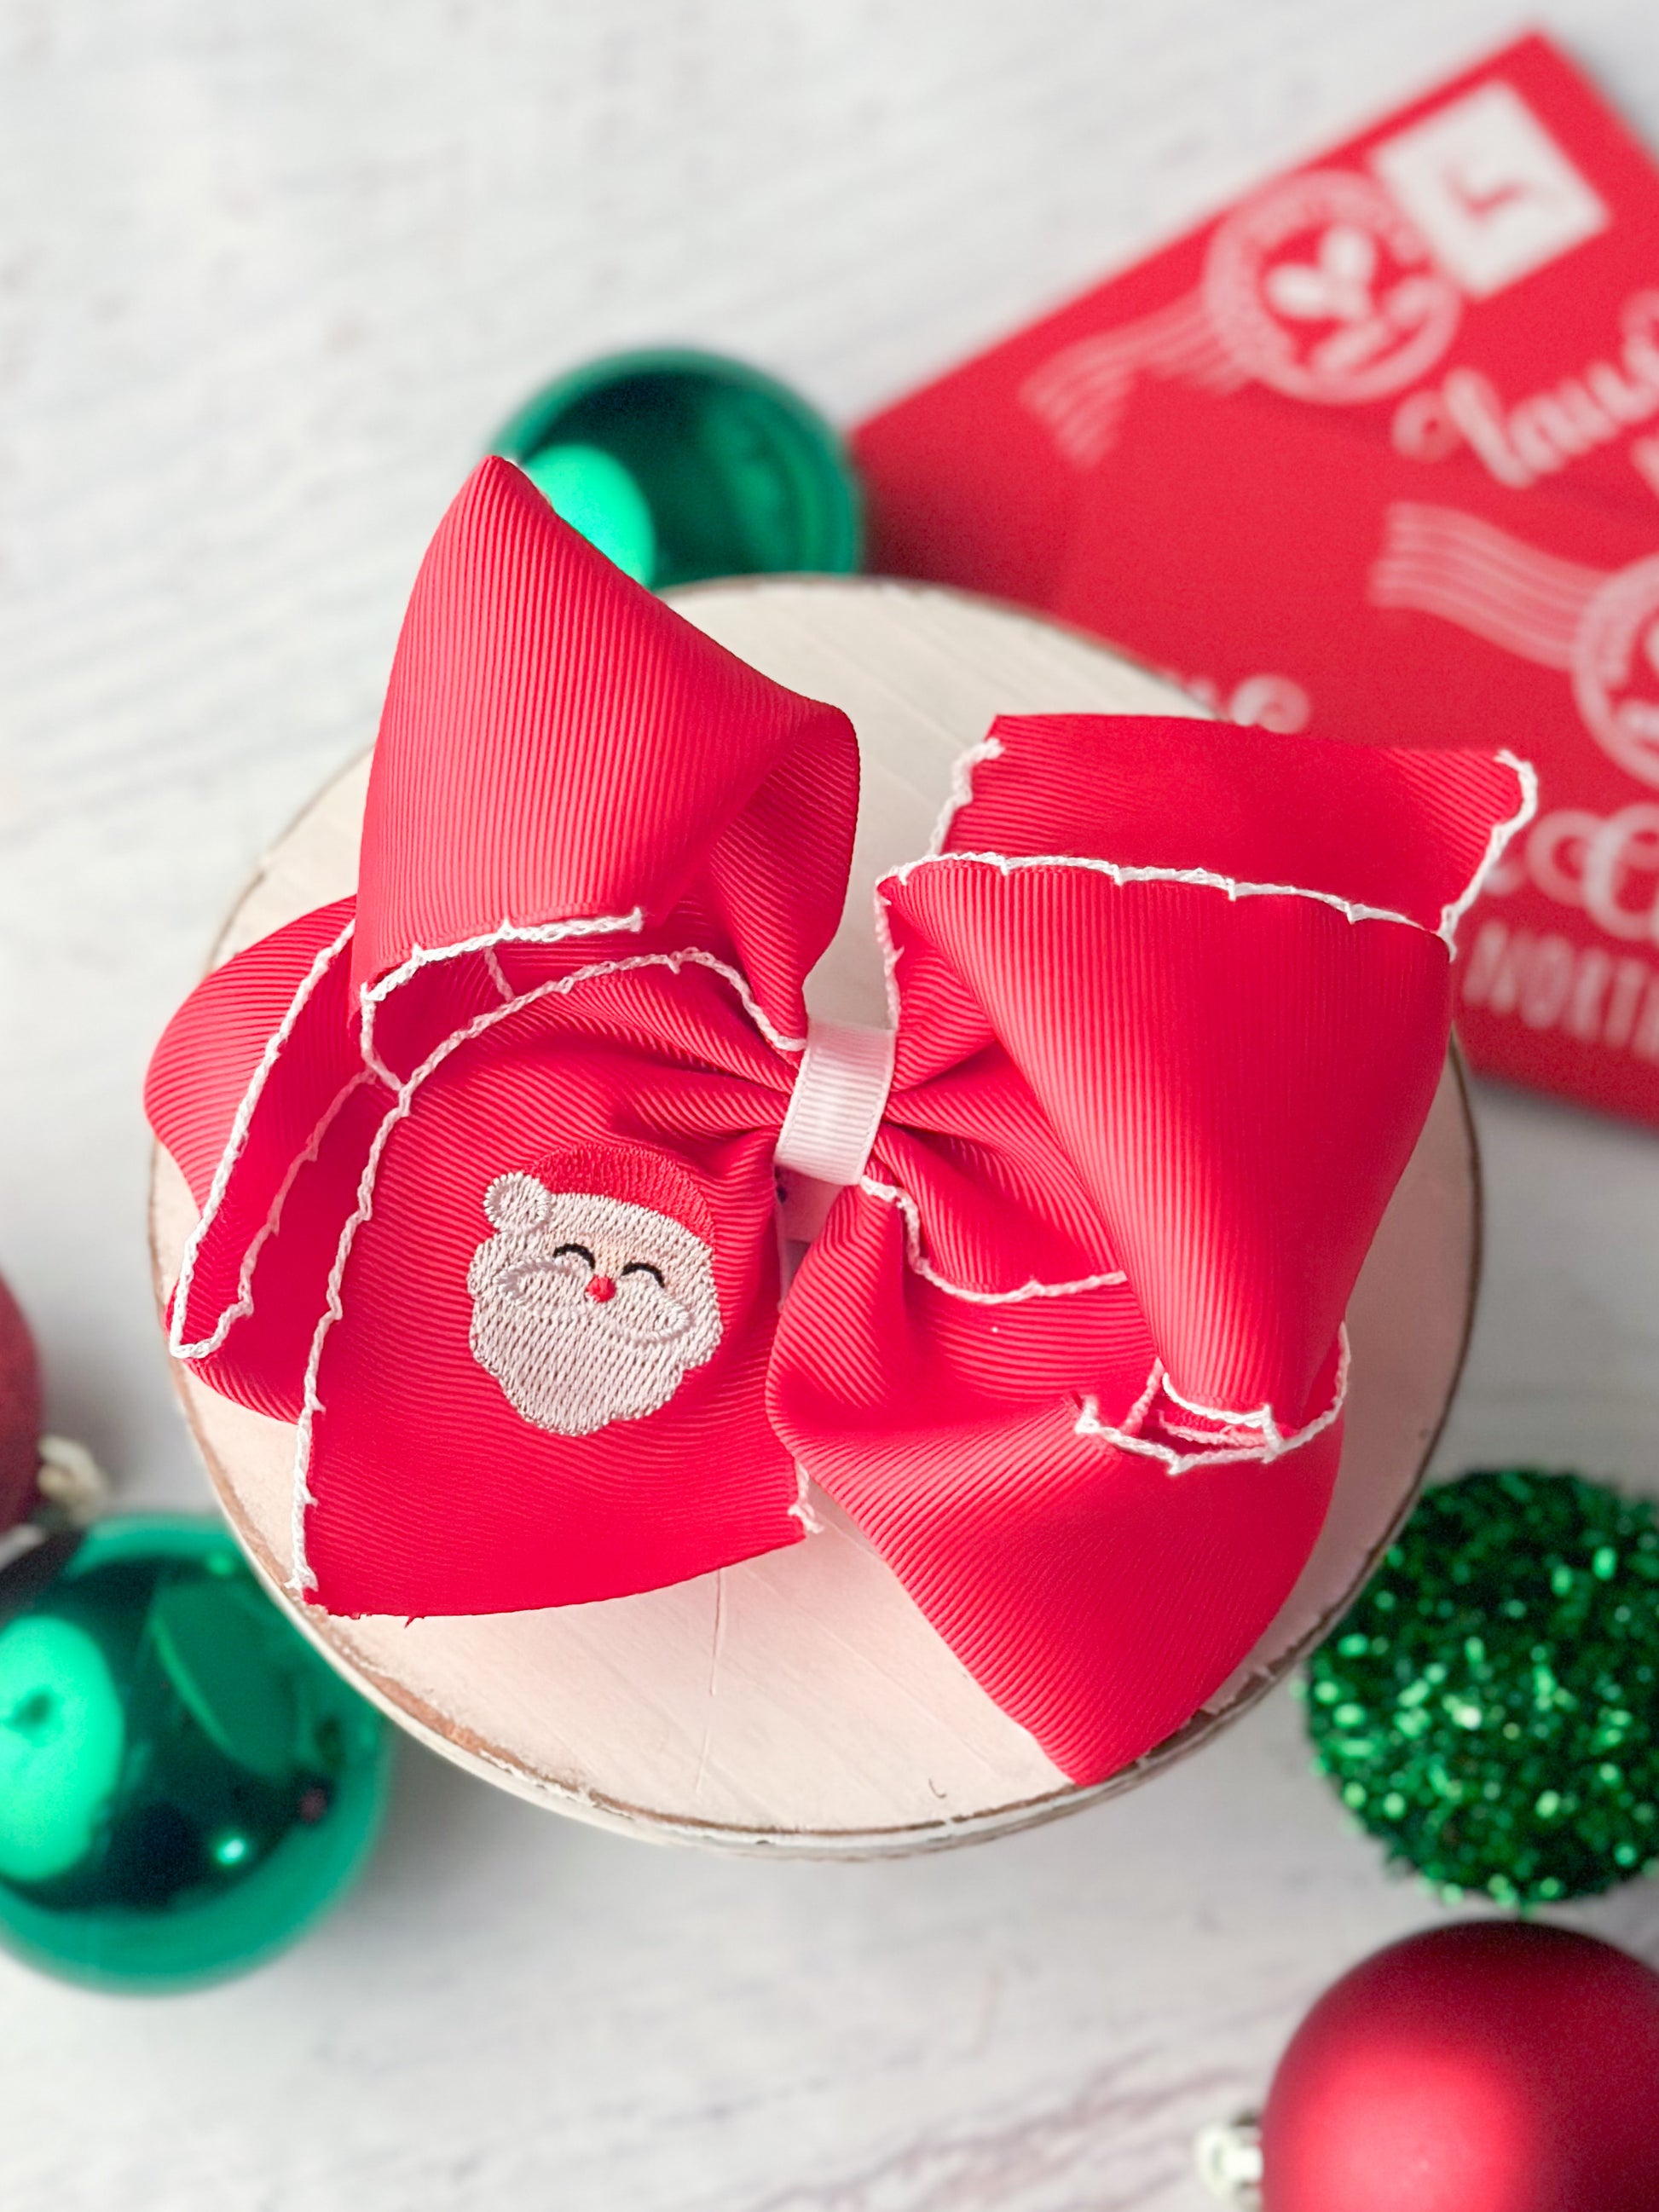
1096,1599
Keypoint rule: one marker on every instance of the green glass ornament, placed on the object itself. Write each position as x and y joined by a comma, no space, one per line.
185,1785
681,466
595,495
1489,1709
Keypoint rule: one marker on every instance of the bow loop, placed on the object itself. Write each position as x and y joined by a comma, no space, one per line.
1218,960
559,749
1405,831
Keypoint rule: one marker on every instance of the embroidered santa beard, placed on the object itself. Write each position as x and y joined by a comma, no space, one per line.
585,1309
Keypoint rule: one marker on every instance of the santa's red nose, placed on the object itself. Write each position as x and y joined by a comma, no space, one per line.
601,1287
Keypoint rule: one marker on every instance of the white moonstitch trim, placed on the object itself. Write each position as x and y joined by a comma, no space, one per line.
236,1143
1526,776
372,995
739,983
890,960
1235,887
301,1578
962,789
801,1511
918,1259
243,1304
676,961
505,933
1203,1436
1355,910
1274,1443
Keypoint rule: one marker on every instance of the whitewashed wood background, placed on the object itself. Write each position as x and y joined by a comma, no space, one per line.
269,276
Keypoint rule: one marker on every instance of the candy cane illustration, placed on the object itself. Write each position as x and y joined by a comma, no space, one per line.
1600,630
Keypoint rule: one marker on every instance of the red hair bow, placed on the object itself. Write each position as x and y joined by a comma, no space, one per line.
487,1167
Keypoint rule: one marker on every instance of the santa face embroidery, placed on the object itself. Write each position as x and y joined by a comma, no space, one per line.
586,1309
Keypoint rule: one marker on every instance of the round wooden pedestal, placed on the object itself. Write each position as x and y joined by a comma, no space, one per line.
800,1703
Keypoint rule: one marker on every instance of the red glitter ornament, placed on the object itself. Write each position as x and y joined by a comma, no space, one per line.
20,1413
1488,2067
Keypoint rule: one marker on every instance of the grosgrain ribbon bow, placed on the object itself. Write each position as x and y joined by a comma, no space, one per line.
486,1164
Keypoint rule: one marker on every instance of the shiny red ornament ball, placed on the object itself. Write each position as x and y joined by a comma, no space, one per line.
1494,2066
20,1413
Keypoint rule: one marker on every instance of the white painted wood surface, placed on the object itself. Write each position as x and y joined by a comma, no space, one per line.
799,1702
268,275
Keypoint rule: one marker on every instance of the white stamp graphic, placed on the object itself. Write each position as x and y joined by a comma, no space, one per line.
1615,667
1081,393
1337,287
1322,289
1490,189
1601,631
587,1308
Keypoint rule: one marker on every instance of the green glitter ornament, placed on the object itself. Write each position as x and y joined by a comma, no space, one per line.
185,1785
1489,1709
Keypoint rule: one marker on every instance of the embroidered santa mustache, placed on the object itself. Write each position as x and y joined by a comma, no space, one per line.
588,1308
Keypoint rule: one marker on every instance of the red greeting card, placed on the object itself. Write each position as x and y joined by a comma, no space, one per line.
1377,451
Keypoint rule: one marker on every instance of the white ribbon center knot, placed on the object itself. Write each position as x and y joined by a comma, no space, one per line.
834,1111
